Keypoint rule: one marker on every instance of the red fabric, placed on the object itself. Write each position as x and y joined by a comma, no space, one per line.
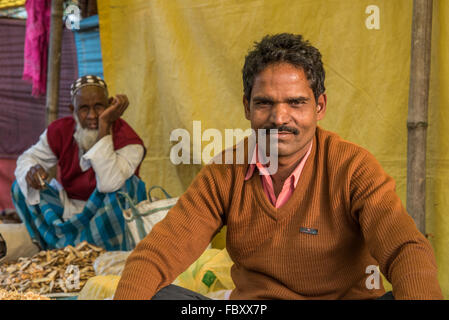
78,184
7,167
36,44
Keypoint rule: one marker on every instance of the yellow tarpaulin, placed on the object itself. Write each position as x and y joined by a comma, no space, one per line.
180,61
11,3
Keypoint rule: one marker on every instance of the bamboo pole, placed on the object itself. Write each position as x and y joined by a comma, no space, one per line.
54,61
417,111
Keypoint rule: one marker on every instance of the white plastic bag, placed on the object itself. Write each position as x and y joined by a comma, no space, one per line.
18,242
111,263
141,218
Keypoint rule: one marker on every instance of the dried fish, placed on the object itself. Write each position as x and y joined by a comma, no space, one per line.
25,265
70,257
14,295
94,248
80,246
52,274
49,272
41,280
62,286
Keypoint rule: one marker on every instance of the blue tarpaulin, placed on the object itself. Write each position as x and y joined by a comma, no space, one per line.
88,47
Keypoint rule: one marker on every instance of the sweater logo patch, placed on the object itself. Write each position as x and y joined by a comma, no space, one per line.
308,230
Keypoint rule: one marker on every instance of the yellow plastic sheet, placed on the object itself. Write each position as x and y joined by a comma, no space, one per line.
181,60
99,288
211,272
4,4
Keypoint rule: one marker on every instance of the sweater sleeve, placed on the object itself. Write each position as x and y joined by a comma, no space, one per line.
404,255
175,242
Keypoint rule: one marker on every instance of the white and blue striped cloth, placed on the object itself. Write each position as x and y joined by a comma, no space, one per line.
100,223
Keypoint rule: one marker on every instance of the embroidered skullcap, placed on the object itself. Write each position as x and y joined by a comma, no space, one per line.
88,80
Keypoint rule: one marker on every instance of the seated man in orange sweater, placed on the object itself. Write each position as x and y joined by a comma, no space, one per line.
312,229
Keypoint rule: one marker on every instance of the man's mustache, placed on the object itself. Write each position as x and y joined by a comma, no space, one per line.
281,129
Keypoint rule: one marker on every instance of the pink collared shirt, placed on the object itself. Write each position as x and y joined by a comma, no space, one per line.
267,183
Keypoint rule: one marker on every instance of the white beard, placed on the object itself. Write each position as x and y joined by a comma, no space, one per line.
85,138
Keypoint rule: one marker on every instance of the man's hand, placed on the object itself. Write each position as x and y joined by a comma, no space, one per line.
36,176
115,110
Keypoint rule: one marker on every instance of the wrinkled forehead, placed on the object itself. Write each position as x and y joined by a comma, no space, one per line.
282,79
90,95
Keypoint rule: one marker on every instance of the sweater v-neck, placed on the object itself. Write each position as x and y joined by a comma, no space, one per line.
304,180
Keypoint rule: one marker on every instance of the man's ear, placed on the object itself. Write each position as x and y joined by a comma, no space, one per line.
110,100
71,107
321,106
246,106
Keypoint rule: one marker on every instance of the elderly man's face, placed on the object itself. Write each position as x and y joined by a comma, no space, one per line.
281,98
89,104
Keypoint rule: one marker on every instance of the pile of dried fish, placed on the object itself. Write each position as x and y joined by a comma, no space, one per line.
14,295
53,271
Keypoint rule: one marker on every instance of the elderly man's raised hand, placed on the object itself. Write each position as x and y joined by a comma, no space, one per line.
36,176
117,107
115,110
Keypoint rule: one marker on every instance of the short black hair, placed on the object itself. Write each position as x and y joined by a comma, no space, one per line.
289,48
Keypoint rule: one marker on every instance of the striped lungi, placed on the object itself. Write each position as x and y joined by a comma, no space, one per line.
100,223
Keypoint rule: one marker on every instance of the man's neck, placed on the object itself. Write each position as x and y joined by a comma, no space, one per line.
288,164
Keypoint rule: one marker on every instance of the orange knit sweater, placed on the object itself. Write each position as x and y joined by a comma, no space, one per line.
343,194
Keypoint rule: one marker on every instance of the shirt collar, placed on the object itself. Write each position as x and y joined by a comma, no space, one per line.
256,164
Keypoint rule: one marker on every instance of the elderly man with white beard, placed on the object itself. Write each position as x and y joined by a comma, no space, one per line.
98,155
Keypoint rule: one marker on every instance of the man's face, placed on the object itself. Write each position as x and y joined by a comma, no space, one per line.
281,98
89,104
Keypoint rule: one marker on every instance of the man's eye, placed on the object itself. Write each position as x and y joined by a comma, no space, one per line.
99,107
297,103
